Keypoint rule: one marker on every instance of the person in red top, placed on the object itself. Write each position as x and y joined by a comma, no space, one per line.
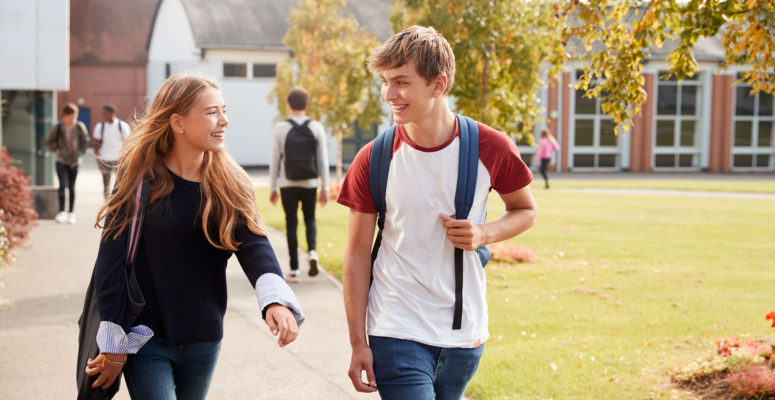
401,324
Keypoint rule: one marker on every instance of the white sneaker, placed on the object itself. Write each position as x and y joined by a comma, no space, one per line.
313,263
61,217
291,277
71,218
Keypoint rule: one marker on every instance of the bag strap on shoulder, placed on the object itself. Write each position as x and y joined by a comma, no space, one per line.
138,213
379,165
468,167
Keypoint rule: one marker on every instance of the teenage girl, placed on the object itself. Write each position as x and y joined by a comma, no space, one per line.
201,210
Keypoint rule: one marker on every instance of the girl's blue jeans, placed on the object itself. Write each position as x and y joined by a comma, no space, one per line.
162,371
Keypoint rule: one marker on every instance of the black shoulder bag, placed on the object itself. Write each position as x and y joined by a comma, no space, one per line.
89,322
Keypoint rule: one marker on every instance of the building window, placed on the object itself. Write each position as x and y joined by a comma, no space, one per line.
676,138
264,70
595,144
753,141
235,70
26,120
354,142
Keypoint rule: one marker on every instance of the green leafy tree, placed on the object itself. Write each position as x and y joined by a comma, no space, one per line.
614,38
502,49
329,61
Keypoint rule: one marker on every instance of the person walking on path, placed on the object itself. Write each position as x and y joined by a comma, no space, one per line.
68,140
109,134
299,158
413,350
201,209
546,148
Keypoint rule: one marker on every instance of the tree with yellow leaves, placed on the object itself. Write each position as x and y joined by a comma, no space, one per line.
615,37
329,61
501,51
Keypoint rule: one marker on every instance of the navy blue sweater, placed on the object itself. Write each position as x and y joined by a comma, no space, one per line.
182,276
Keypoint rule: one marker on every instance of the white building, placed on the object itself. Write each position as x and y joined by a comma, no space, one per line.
34,64
237,43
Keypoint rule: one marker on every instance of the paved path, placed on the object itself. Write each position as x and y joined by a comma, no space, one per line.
41,296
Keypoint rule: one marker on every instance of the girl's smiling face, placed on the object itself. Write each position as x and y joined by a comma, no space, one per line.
204,126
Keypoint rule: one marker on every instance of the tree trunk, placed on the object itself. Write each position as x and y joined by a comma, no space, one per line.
339,156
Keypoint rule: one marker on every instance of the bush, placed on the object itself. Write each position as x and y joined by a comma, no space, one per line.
509,253
17,213
754,381
737,370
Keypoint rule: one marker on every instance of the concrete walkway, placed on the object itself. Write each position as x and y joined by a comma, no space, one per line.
41,296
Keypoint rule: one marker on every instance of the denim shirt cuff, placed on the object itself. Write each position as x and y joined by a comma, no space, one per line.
112,339
272,288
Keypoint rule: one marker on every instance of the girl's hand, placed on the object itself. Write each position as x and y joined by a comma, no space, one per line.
282,324
108,366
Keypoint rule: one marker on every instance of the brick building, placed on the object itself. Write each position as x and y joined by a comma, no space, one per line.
108,56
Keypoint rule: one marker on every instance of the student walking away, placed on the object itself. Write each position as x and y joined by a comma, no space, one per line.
109,134
201,210
546,148
299,158
418,329
68,140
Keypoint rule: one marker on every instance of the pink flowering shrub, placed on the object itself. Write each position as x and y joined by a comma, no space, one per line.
506,252
745,369
333,191
755,381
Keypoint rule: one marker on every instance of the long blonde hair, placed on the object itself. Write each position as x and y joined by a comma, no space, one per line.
227,192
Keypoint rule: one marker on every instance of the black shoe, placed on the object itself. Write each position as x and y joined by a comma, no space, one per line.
313,263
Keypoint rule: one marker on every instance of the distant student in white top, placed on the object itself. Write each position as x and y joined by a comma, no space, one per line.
109,135
299,158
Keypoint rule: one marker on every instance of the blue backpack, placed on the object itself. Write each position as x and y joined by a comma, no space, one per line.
379,166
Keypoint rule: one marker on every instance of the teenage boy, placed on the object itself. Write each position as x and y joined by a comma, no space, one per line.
68,141
109,135
412,351
299,143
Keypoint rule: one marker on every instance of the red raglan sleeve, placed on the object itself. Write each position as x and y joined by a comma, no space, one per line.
502,159
355,191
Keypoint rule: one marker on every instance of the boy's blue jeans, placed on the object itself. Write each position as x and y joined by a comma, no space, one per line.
162,371
408,370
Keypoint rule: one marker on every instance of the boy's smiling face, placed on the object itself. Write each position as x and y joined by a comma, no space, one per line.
408,94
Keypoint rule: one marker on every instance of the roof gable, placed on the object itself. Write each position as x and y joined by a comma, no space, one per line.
261,24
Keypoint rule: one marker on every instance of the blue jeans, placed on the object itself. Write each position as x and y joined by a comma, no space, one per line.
162,371
409,370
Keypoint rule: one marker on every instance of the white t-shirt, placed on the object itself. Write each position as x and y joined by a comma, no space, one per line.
111,139
277,168
413,293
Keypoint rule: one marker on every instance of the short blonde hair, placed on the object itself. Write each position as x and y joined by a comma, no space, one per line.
428,48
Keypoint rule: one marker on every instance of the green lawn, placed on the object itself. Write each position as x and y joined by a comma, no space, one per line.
624,289
727,183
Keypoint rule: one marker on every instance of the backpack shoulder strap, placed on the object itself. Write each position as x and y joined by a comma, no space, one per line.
379,166
306,123
468,166
293,123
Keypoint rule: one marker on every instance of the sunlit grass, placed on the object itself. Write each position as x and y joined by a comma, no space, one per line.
624,289
727,183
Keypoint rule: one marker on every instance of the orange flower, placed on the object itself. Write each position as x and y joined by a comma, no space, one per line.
771,315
